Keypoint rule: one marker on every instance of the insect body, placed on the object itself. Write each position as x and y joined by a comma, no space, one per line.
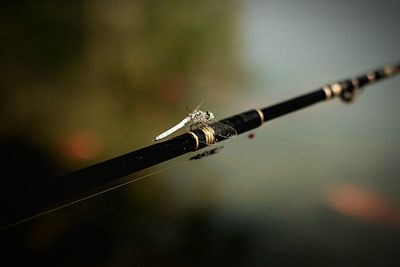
198,119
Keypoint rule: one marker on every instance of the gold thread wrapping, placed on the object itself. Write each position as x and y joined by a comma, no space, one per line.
261,114
328,92
196,138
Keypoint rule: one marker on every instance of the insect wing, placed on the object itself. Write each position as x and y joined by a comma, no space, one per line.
195,109
222,130
197,126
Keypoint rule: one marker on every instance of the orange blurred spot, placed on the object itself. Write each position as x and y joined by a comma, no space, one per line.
81,145
364,204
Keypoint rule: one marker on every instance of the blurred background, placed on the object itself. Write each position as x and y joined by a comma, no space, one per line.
84,81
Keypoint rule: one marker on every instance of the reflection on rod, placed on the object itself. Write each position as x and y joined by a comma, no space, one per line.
106,175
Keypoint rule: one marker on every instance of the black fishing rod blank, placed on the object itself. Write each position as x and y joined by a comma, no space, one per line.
103,176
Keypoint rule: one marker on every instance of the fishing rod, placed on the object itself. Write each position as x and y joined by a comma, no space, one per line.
107,175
